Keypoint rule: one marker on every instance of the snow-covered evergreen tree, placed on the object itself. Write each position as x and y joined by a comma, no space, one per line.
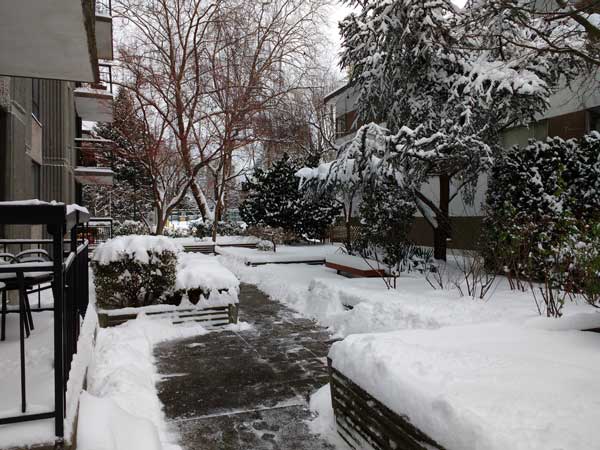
442,99
274,199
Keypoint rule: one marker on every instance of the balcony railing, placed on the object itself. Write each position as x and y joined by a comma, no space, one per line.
104,7
94,152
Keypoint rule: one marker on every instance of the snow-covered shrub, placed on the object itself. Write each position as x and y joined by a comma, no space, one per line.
131,271
275,236
176,232
542,205
275,200
265,246
129,227
202,229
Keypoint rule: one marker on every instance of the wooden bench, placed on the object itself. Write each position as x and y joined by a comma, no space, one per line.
353,271
364,422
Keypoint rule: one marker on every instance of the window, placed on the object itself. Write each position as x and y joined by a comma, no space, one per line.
35,98
36,172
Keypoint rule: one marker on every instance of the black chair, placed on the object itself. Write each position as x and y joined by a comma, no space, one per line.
24,283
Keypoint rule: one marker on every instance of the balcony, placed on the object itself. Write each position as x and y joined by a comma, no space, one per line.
48,39
94,102
104,29
93,161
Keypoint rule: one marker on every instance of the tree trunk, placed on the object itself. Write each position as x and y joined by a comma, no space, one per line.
200,200
442,232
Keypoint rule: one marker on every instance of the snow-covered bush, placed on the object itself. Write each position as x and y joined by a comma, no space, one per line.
265,246
202,229
274,236
276,200
129,227
131,271
542,208
176,232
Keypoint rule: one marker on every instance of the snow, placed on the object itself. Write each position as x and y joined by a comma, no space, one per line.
486,386
123,372
39,357
221,240
324,422
135,246
198,271
284,253
319,293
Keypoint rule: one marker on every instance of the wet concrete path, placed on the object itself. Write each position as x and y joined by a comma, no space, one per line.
246,390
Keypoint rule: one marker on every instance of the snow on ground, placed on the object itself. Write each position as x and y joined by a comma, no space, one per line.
486,386
319,293
284,253
221,240
121,408
39,368
324,422
195,270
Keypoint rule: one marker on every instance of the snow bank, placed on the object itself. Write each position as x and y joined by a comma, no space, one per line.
362,305
284,253
484,387
79,366
324,422
122,386
198,271
135,246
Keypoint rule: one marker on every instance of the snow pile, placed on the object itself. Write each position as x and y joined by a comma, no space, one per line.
484,387
198,271
137,247
363,305
79,366
324,423
122,402
284,253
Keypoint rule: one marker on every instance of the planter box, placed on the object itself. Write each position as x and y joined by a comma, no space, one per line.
210,316
364,422
355,266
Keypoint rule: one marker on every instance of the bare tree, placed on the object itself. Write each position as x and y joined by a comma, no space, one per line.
257,53
162,58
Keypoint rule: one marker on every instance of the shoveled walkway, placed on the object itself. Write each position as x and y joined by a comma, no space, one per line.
248,390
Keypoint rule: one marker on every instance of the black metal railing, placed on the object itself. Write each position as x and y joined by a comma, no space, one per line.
68,266
94,152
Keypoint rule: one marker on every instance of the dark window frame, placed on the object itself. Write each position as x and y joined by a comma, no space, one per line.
35,98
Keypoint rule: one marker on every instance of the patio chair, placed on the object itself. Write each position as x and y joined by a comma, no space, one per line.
23,283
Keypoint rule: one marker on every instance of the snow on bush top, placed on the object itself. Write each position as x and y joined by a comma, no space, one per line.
197,271
135,246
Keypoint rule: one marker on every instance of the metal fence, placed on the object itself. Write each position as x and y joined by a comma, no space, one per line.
97,230
69,280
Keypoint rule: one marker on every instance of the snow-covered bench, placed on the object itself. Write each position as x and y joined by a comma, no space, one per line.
355,266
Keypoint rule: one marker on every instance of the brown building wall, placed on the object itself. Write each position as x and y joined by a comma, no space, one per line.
465,232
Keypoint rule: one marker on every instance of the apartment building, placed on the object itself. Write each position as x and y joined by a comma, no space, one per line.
573,112
54,77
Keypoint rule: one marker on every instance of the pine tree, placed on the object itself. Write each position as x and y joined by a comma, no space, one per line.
130,196
274,199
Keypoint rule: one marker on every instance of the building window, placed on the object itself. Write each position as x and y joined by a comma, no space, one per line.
36,172
35,98
594,118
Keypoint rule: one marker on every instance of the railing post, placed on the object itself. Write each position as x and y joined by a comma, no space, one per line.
57,232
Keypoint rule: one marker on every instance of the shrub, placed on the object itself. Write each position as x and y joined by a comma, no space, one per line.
176,232
542,208
275,200
130,227
265,246
202,229
133,271
275,236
